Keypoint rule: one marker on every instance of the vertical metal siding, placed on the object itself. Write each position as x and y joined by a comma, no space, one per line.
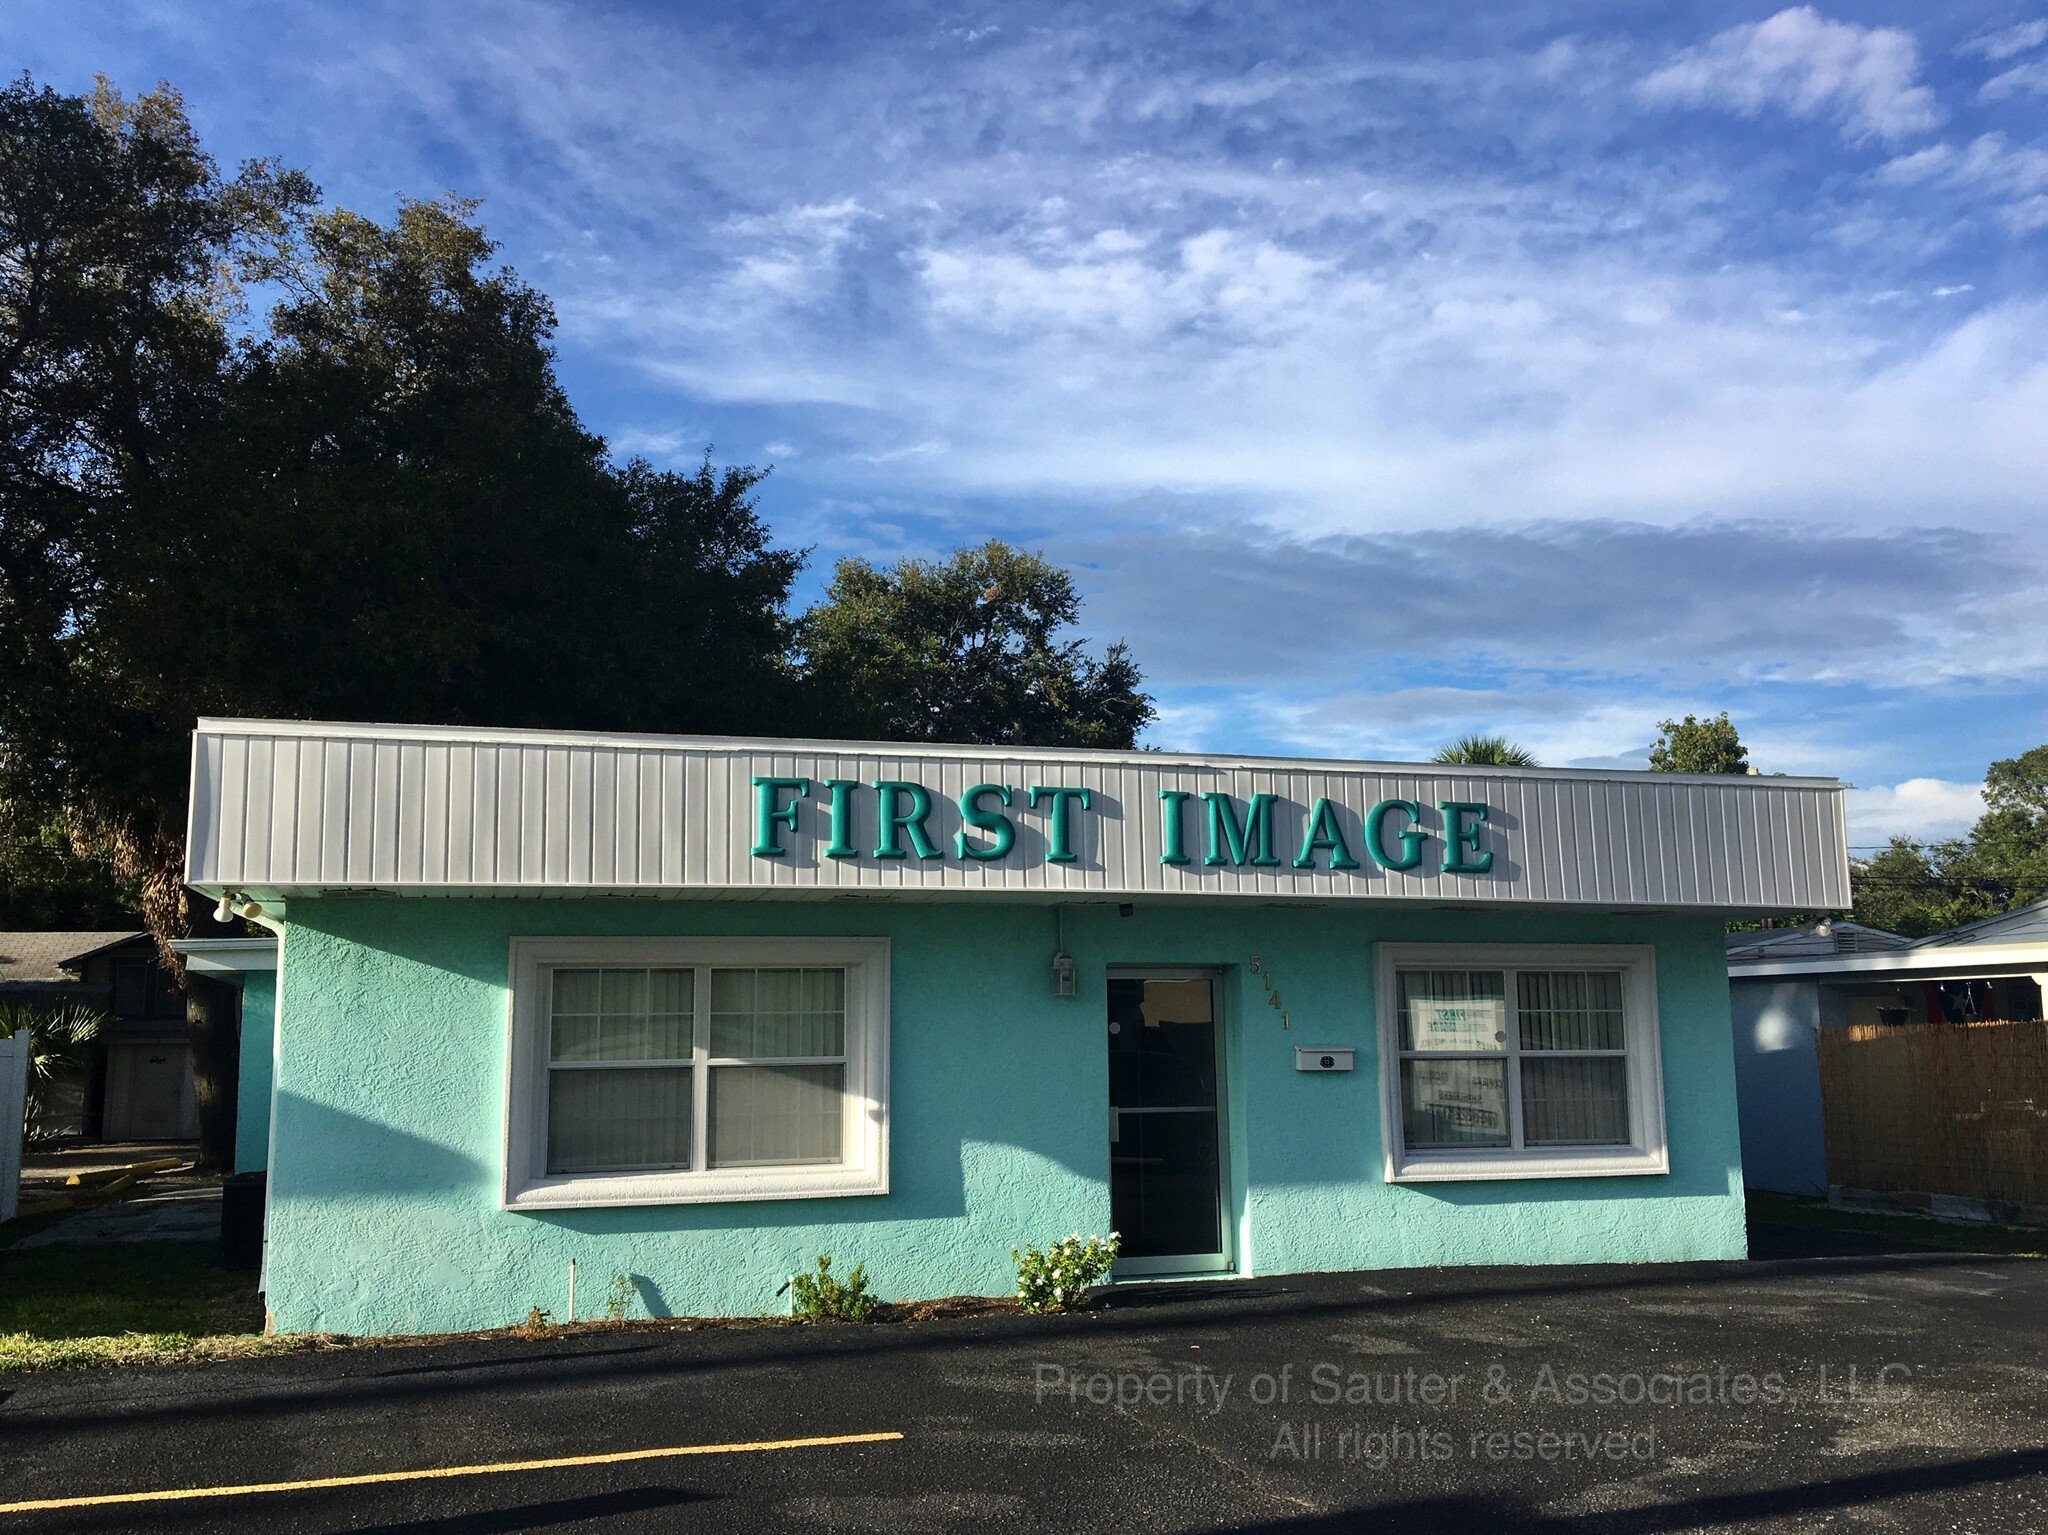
277,807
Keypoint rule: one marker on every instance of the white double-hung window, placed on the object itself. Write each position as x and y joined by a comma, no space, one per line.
1519,1061
682,1070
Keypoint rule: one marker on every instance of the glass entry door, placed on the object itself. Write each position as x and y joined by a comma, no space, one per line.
1166,1153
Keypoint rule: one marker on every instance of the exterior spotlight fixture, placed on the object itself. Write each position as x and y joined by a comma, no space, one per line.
236,903
1065,983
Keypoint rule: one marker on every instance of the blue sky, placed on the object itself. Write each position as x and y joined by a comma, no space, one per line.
1383,372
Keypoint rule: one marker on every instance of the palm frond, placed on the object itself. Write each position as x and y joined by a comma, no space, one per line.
1486,751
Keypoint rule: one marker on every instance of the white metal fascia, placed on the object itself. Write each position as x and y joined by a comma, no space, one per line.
2020,957
290,810
752,745
227,956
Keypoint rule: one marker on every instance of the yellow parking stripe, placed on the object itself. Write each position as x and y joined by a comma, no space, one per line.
374,1478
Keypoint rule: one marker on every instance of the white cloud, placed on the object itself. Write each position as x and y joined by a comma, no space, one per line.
1217,278
2016,180
928,448
1465,300
1924,809
655,443
2008,41
2032,78
1703,605
791,254
1863,78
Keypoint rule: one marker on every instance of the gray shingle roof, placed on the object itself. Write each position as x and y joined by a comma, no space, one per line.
26,957
2027,925
1810,943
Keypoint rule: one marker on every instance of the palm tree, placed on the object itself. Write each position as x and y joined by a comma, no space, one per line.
60,1045
1486,751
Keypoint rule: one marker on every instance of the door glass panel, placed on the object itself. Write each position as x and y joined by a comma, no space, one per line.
1162,1045
1162,1185
1165,1148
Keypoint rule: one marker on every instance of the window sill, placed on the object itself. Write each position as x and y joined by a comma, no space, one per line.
596,1191
1592,1162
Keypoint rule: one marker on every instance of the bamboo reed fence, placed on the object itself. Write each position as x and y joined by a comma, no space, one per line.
1957,1110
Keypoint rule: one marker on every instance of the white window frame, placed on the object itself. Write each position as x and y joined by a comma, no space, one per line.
864,1122
1647,1153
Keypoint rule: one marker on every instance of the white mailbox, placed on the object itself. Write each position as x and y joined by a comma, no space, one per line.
1322,1057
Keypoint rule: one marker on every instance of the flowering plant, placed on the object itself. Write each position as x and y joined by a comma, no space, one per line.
1056,1278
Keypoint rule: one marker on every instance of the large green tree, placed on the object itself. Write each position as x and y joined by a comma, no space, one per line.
1699,746
372,502
2010,840
1920,888
45,883
261,457
121,244
969,648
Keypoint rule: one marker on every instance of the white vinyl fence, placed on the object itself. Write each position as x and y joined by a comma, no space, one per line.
13,1090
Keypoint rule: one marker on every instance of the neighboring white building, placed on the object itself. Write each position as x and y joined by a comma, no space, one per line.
1784,984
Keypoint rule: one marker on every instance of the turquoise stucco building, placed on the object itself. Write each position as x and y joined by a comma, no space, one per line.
694,1012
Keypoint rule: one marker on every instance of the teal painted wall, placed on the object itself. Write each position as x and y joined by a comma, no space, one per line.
252,1089
389,1106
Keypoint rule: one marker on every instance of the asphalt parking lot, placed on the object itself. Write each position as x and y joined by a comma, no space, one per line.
1830,1383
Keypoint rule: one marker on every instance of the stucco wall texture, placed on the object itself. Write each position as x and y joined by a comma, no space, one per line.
389,1107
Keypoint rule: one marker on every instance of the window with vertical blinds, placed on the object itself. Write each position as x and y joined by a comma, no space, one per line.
1506,1060
707,1079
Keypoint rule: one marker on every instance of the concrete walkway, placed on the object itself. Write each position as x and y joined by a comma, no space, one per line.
47,1167
177,1205
177,1214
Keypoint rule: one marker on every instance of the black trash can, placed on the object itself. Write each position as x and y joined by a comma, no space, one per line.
241,1221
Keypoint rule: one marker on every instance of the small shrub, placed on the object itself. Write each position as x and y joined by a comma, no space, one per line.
620,1300
1056,1278
60,1045
821,1298
536,1324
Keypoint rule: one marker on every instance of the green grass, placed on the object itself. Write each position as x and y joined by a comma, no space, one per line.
1921,1230
69,1305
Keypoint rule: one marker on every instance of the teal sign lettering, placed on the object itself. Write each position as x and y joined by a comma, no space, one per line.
1324,834
1376,835
993,821
1058,849
1171,848
1236,833
895,817
1461,839
1231,840
768,815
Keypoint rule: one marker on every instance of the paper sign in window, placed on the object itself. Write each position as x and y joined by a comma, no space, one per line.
1456,1025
